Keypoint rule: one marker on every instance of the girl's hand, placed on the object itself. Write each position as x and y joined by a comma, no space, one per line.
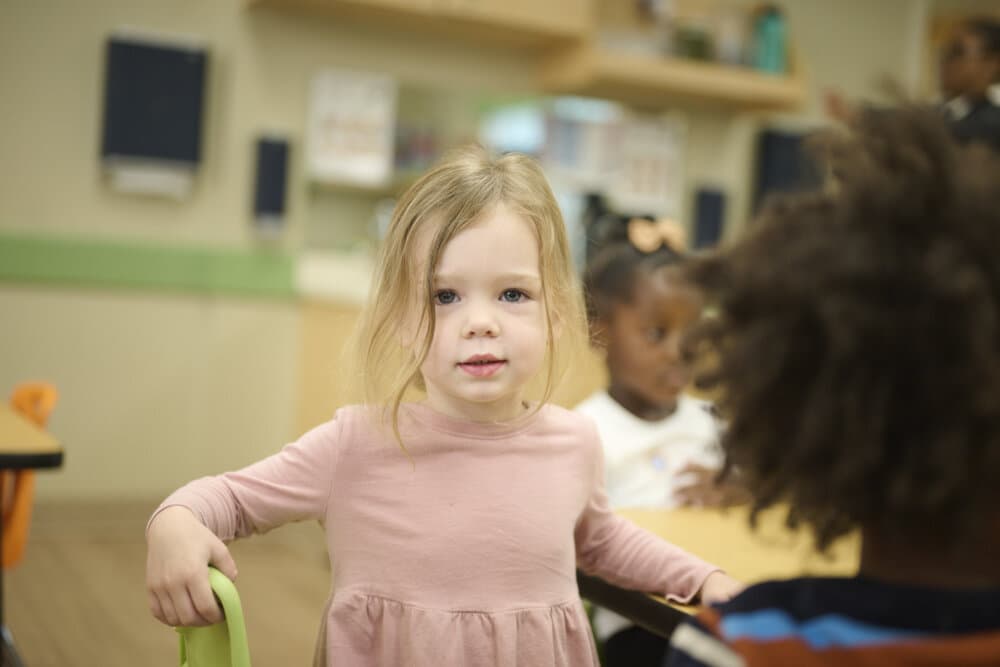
719,587
179,550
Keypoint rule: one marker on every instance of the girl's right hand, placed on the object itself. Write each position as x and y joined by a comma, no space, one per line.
179,551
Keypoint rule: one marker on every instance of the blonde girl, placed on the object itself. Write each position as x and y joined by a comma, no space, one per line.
454,522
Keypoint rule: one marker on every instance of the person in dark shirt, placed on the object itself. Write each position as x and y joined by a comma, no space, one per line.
970,66
969,78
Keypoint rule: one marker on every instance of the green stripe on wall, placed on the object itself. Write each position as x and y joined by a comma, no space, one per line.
146,266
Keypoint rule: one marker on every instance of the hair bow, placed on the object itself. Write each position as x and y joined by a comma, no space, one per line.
648,236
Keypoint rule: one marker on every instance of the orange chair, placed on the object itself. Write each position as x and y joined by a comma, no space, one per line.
35,402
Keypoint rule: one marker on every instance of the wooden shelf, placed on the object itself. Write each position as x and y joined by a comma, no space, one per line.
659,83
394,187
503,23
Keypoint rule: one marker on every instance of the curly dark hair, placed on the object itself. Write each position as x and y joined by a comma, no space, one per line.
856,347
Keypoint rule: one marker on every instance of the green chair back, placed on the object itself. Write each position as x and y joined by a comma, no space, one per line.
223,644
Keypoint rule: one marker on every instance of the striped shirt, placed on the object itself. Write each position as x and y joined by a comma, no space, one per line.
822,622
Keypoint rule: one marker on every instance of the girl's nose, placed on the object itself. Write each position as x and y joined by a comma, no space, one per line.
481,322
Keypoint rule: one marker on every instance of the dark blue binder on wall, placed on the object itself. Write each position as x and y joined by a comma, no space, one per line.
783,165
153,101
709,217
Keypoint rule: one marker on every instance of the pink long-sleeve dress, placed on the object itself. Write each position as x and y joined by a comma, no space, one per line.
462,553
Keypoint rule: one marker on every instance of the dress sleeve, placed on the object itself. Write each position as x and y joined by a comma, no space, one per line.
293,485
620,552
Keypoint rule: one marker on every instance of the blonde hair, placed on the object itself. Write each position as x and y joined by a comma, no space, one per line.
448,199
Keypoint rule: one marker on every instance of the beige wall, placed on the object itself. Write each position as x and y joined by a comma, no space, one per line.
156,388
965,6
849,45
51,63
262,63
846,45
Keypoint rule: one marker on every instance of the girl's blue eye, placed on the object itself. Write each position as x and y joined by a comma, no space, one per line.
445,297
512,295
655,334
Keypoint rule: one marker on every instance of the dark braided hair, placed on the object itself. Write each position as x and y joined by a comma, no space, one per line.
856,347
611,274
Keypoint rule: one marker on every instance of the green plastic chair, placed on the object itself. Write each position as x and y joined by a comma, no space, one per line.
223,644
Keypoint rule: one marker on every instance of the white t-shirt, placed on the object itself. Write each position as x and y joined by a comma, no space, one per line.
643,460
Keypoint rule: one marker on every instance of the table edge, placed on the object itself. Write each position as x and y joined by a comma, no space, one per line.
32,460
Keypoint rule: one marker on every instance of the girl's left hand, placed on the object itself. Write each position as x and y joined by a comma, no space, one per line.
719,587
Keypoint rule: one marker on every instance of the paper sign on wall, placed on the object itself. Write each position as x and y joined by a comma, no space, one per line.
649,177
351,130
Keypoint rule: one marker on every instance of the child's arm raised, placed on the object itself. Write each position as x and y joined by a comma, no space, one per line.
188,530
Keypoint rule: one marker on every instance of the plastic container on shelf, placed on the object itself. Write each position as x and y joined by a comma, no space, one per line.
770,39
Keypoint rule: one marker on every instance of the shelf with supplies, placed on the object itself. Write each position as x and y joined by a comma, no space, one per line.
655,83
515,23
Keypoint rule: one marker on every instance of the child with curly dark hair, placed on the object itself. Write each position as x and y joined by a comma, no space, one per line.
856,349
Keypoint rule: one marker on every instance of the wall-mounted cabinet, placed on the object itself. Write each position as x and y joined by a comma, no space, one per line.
504,22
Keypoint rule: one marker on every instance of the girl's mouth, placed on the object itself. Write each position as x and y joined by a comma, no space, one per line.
482,365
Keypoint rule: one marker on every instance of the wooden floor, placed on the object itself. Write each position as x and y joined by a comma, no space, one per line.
78,597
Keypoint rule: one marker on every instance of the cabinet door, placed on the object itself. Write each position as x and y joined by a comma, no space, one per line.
558,18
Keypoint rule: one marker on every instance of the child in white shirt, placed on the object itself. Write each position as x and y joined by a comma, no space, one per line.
660,445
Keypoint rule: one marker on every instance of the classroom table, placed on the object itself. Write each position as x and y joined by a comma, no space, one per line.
724,537
22,446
